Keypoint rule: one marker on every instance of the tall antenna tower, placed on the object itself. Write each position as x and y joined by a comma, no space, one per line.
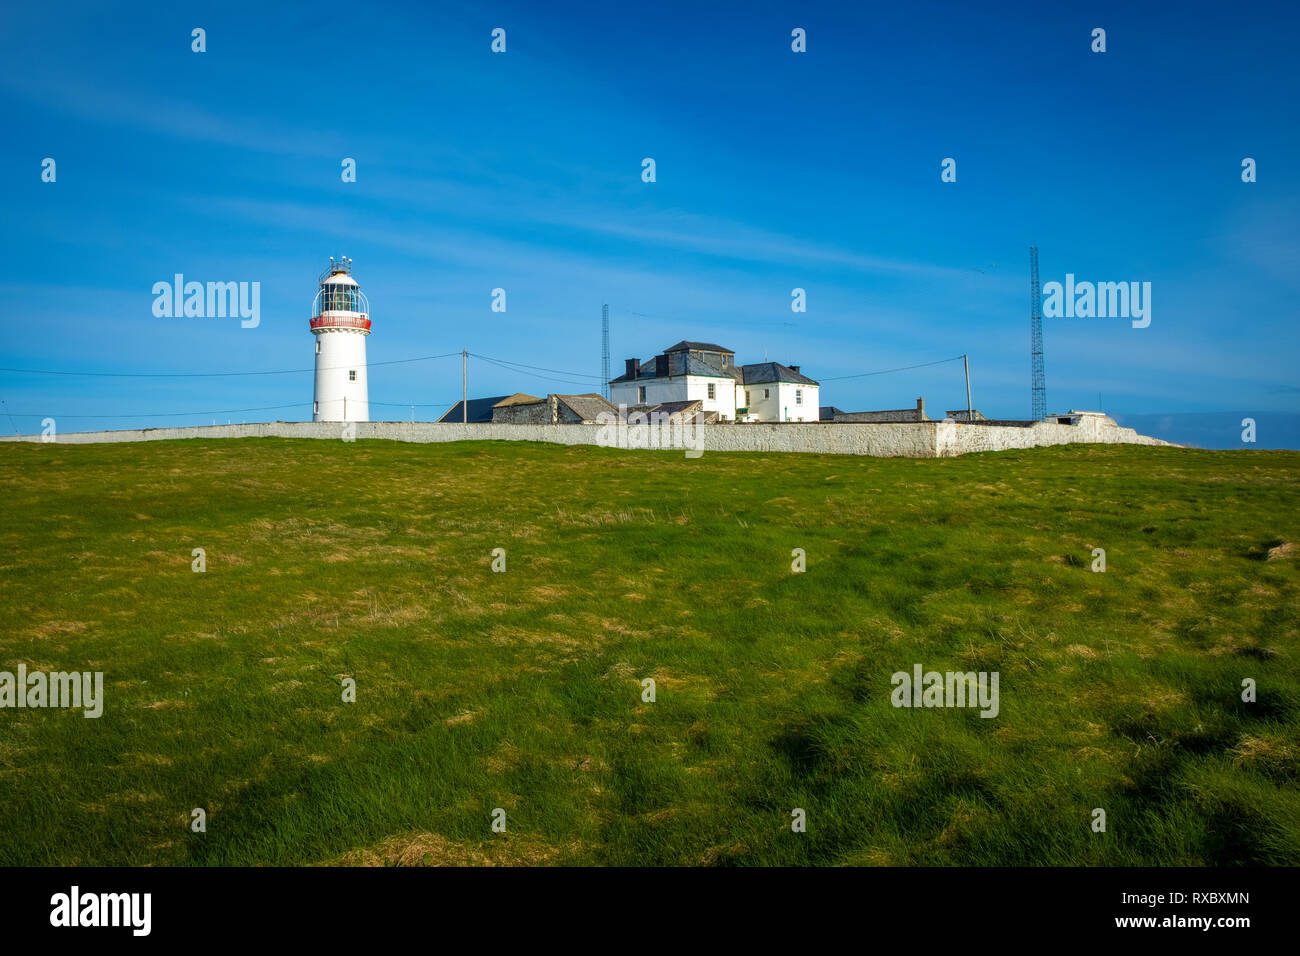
604,351
1039,385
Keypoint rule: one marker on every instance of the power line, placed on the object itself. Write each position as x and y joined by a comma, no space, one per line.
516,365
502,363
885,371
11,418
286,371
520,369
573,377
836,378
546,378
539,368
222,411
643,315
417,404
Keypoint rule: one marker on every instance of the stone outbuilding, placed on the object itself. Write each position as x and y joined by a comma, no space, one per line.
524,409
830,413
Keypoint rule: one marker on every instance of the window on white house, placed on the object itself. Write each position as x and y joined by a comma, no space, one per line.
352,375
767,393
640,394
746,396
713,390
798,396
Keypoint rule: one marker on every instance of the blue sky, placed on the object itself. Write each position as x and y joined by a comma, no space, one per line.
775,170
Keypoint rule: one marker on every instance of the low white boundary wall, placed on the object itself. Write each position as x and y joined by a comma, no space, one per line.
939,439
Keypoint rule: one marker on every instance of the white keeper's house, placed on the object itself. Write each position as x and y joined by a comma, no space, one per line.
687,371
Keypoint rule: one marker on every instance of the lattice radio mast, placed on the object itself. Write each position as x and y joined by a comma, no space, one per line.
1039,386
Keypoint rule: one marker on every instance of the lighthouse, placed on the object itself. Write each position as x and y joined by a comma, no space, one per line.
340,323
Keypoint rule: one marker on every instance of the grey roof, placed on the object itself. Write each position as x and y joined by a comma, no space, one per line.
706,368
670,408
694,366
759,373
762,372
827,412
684,346
676,408
688,409
589,407
519,398
480,410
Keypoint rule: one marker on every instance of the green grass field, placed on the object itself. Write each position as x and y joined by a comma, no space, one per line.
522,690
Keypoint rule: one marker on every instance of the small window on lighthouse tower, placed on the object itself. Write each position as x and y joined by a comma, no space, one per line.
318,346
352,375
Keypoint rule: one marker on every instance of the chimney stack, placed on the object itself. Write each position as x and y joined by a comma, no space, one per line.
920,409
633,366
661,366
794,368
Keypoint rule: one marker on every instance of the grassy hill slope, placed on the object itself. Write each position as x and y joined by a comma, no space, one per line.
522,690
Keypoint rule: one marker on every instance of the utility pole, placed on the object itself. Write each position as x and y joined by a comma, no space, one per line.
464,386
965,360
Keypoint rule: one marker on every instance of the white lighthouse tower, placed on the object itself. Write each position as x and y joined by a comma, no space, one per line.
340,322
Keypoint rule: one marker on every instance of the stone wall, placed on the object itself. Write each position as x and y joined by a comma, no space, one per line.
958,438
932,439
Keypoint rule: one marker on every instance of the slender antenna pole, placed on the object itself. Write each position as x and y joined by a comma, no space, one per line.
464,386
965,360
604,350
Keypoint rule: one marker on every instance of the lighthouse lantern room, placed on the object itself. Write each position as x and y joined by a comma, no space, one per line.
340,323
